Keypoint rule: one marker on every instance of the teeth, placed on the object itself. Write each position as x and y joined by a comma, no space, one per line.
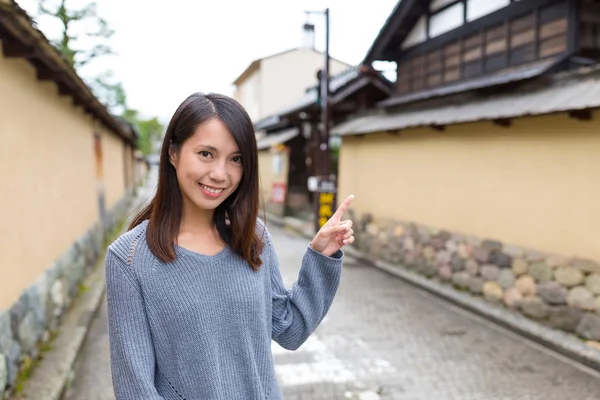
212,190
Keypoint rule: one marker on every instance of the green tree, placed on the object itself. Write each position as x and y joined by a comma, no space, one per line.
69,18
109,91
150,129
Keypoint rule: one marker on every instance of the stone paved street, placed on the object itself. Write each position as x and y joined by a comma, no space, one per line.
384,339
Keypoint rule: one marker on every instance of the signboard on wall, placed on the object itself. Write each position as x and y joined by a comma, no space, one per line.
326,202
278,193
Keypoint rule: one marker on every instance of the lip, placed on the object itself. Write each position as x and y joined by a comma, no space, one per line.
210,194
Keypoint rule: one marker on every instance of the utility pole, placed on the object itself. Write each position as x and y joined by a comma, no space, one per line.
326,190
325,111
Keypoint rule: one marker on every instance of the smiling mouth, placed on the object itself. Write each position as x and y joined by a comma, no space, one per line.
211,189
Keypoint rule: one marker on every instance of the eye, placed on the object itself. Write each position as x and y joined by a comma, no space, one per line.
237,159
204,153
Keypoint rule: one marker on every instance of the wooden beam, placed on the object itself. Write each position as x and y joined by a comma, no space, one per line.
78,101
582,115
64,89
17,50
574,26
45,74
503,122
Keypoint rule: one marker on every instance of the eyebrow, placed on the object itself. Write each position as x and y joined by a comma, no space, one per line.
213,148
209,147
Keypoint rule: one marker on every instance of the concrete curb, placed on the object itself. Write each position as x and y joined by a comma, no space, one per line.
561,342
51,378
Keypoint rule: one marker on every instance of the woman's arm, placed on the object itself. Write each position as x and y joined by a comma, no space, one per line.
131,348
297,312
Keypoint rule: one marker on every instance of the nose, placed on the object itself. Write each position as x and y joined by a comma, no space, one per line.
218,173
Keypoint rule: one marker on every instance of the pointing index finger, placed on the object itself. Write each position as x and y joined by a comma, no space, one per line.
343,207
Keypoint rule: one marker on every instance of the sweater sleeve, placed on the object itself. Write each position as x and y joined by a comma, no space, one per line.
131,348
297,312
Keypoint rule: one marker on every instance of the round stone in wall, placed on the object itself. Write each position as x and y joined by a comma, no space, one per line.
490,272
500,259
534,307
592,283
512,298
519,266
475,285
589,327
493,291
465,250
554,261
429,253
564,317
553,293
568,276
526,285
472,267
541,272
581,298
506,278
445,272
457,263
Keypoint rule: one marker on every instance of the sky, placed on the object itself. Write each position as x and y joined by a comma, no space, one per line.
167,50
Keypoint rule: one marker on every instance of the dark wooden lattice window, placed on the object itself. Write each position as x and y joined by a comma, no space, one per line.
495,48
508,41
434,68
589,28
452,62
418,73
522,39
404,77
472,53
553,26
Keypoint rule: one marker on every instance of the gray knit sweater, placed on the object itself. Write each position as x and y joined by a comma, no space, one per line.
200,328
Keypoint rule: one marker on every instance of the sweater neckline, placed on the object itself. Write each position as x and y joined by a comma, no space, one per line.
199,256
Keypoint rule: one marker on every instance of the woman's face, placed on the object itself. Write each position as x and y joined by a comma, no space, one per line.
208,166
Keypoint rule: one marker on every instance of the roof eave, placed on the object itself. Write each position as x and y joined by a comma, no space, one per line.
31,44
377,50
247,72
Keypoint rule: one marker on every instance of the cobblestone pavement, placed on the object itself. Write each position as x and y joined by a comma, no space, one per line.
384,339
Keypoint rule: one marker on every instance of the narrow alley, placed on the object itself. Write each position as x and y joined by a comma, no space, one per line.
384,339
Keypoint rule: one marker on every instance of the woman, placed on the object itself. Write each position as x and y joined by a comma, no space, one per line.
193,288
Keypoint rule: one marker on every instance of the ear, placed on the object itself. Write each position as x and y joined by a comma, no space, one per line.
172,157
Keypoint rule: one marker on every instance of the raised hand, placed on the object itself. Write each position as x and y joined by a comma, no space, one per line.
335,233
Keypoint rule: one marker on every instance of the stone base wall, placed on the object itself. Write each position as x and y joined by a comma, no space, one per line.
38,312
560,292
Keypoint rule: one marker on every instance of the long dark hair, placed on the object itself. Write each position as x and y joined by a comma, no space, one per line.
235,218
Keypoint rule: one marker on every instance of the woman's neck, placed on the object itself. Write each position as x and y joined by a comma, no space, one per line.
195,220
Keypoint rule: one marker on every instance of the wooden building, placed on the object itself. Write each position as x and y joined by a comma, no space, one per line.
296,129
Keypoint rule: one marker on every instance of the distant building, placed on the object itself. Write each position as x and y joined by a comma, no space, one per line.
272,81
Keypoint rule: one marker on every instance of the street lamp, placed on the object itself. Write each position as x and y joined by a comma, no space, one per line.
326,187
325,114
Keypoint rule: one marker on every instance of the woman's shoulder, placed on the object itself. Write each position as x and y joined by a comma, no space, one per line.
124,245
262,230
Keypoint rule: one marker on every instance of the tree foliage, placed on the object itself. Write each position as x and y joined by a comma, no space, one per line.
106,88
69,19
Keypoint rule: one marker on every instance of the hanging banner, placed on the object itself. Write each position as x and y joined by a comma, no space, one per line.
326,202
